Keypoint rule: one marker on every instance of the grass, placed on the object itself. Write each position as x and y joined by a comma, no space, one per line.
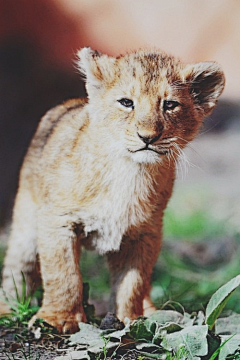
176,278
194,226
21,309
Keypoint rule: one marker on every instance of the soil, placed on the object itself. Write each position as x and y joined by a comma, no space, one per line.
16,344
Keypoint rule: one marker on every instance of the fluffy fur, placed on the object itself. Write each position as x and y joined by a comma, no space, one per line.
99,173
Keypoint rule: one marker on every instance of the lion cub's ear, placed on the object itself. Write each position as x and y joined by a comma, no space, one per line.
96,68
206,81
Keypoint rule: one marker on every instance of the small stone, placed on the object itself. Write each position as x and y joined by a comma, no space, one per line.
110,321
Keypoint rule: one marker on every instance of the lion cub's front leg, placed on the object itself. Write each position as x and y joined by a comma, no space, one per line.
59,261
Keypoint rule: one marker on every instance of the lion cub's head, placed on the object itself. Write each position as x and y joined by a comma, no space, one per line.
148,103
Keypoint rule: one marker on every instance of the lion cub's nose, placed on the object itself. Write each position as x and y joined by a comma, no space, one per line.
149,139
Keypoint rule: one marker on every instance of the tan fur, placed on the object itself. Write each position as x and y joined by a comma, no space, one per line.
89,179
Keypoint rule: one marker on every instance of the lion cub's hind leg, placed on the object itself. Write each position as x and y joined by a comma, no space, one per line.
148,306
131,269
21,254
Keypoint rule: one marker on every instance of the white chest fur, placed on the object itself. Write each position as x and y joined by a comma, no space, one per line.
121,202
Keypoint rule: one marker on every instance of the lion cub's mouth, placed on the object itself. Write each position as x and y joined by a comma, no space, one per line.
157,151
166,147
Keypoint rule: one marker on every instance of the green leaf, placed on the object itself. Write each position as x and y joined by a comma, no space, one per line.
92,339
219,300
165,316
147,347
192,338
171,316
24,299
142,329
97,347
116,335
228,325
199,319
229,346
87,335
151,351
161,331
16,290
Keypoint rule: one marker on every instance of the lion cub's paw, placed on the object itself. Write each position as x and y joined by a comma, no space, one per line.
64,322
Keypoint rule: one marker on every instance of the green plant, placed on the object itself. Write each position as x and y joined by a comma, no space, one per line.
217,351
104,349
219,300
197,224
21,309
169,334
180,354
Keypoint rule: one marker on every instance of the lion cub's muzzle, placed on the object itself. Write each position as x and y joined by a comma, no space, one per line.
149,140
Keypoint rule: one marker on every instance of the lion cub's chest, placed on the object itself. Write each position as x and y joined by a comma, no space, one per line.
121,202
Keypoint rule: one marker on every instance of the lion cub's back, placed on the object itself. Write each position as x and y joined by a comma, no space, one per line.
52,118
57,116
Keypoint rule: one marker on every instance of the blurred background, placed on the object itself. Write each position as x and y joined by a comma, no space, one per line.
38,43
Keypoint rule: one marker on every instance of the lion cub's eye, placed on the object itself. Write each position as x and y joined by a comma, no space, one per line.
127,103
169,105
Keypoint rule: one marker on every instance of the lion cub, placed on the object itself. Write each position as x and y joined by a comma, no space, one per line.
99,173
